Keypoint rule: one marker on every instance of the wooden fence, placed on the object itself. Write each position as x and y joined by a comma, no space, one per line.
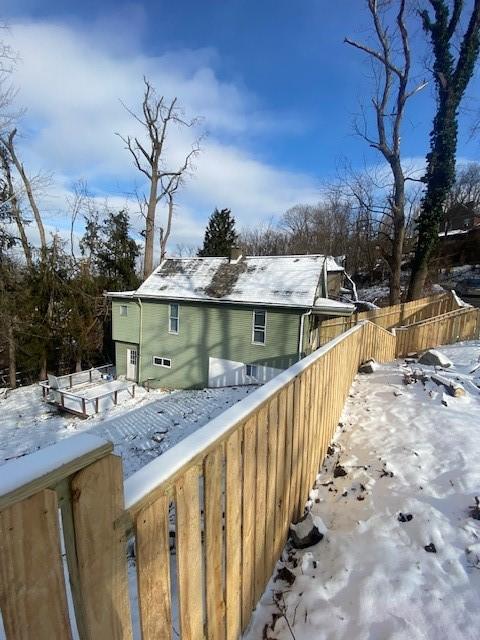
451,327
387,317
223,497
233,487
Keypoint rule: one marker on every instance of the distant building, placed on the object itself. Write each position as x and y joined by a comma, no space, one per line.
459,239
461,217
198,322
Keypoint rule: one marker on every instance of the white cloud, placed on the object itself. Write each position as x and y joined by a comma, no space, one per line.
71,85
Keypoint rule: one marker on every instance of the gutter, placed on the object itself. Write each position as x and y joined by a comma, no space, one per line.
302,324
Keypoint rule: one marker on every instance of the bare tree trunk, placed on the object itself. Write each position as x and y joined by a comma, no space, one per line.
78,363
28,188
15,209
164,235
12,356
43,367
150,225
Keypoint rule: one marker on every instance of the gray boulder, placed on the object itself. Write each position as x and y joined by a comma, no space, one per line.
435,358
305,532
369,366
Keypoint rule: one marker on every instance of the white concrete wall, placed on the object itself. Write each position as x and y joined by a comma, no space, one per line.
229,373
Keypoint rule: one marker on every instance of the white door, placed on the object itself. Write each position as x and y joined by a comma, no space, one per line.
132,358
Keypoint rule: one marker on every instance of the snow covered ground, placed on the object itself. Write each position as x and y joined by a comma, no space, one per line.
401,556
140,428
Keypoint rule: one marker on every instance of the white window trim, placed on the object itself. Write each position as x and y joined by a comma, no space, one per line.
177,318
251,375
165,366
264,328
121,307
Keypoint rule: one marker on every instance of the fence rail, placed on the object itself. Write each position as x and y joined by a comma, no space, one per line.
227,493
387,317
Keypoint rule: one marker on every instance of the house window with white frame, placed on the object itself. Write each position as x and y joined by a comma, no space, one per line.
173,318
123,310
259,327
162,362
251,371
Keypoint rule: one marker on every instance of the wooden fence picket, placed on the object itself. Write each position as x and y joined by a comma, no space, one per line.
32,586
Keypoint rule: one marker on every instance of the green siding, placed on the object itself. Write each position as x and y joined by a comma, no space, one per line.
121,356
126,328
209,330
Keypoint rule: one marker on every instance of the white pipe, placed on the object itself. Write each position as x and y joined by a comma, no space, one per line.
300,342
140,340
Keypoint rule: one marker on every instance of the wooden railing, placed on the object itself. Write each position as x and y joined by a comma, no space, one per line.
451,327
232,487
387,317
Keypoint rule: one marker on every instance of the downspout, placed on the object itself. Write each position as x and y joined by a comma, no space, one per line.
325,278
302,324
140,339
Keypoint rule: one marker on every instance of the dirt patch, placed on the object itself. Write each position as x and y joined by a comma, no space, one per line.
475,511
285,575
171,267
224,279
339,471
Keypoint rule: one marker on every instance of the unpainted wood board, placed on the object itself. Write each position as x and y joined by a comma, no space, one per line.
261,576
97,493
279,490
233,535
248,519
214,547
271,484
32,586
153,570
189,555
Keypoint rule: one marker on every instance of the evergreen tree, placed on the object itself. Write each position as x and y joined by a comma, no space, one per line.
110,250
220,234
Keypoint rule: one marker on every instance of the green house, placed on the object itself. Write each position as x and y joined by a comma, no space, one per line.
199,322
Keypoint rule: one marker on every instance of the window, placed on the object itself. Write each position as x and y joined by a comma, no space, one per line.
259,327
133,357
173,319
162,362
123,310
251,370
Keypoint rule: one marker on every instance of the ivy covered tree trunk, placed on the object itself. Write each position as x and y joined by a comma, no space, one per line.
451,80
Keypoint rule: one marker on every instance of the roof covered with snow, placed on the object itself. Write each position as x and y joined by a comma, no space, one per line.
291,281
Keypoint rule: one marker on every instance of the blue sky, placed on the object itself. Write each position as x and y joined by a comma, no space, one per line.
273,81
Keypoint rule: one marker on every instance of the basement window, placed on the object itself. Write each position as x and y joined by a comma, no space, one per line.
162,362
123,310
173,318
251,370
259,327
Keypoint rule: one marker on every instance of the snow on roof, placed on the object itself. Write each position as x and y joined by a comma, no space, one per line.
454,232
293,281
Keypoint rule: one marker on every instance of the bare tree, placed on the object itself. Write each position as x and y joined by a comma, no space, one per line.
393,68
7,142
157,116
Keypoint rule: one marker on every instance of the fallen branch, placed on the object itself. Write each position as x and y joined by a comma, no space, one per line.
452,388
